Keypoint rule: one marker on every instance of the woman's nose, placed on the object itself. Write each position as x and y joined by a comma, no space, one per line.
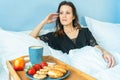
64,15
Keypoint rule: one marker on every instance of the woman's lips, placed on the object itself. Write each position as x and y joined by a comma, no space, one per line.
64,20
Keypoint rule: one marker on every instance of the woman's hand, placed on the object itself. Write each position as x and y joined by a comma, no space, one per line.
109,59
51,18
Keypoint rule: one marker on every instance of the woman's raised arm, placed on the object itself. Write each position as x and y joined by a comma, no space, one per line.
49,19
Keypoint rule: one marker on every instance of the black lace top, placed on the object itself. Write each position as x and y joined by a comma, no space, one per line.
64,43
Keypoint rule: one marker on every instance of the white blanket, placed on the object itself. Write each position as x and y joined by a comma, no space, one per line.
86,59
89,60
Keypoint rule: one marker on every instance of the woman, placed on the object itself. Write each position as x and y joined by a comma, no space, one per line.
68,34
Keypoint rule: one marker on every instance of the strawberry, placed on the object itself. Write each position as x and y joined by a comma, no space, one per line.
31,71
37,67
42,64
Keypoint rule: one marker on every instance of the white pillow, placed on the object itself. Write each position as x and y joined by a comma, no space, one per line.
106,34
18,42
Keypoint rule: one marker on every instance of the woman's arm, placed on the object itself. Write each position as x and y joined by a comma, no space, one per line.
37,29
50,18
107,57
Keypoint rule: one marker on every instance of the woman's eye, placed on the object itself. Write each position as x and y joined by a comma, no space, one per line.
67,12
61,12
64,13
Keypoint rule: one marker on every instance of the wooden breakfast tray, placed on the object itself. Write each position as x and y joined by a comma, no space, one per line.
75,74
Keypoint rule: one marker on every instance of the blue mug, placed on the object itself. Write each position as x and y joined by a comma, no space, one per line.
35,54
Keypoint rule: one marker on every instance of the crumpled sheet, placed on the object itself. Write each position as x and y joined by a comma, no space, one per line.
89,60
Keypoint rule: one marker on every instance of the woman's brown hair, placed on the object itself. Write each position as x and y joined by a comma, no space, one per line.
59,26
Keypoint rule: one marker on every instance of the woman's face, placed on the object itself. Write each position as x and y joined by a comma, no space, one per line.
66,15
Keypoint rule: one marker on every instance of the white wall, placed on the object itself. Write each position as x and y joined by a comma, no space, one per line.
20,15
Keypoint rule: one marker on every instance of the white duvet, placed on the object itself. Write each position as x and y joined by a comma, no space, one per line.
87,59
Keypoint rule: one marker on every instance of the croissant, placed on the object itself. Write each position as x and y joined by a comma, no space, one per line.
60,69
61,66
53,73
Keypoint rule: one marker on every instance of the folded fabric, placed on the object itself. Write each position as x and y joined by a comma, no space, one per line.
88,60
109,74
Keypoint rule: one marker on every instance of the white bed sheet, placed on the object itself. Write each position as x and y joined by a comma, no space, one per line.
86,59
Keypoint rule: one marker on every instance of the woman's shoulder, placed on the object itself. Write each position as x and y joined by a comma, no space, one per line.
49,33
84,29
52,34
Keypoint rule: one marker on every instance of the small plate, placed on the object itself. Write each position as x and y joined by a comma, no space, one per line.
48,78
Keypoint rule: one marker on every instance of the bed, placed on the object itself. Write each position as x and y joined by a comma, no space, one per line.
87,59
